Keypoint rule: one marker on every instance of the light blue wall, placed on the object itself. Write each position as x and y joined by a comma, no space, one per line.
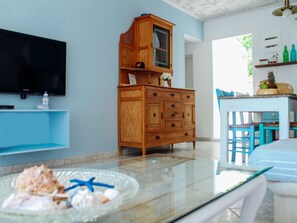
91,29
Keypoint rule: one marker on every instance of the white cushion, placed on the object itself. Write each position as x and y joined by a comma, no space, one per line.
282,155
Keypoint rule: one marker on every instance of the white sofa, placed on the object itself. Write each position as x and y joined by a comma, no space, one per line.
282,178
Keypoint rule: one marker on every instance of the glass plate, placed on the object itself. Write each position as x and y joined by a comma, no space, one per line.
126,185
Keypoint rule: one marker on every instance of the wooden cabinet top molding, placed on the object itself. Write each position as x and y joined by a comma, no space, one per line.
156,18
148,41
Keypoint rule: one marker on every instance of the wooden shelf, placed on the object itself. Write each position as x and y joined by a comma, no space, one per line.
275,64
138,70
133,69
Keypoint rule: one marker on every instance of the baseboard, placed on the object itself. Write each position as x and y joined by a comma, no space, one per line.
207,139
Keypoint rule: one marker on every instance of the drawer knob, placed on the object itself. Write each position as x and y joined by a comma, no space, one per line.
173,106
155,94
157,137
186,134
172,95
172,125
173,115
154,114
188,96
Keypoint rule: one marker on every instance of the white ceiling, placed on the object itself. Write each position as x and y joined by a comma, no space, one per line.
207,9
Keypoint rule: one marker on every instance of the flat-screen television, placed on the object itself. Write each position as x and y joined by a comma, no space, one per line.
31,64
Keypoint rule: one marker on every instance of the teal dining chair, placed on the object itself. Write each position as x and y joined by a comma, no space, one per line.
270,126
242,138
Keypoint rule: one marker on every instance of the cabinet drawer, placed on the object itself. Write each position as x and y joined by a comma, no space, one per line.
173,124
155,137
130,94
189,133
188,96
181,134
172,95
173,105
154,93
173,114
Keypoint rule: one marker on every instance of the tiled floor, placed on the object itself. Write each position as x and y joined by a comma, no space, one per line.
211,150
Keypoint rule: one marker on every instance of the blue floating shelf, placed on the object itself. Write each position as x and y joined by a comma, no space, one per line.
23,131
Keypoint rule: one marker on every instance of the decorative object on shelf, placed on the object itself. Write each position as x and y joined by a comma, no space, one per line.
45,102
285,55
139,65
271,80
285,88
166,84
132,79
166,78
286,10
268,86
273,59
293,53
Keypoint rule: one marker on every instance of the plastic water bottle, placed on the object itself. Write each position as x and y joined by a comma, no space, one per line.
285,55
293,53
45,100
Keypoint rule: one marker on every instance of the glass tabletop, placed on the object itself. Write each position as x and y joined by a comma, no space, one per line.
171,187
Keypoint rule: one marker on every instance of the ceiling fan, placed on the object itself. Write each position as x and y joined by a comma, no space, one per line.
286,10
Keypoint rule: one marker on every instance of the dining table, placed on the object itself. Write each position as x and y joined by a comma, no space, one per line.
159,188
283,104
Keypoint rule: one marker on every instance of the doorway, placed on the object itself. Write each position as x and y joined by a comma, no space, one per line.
189,71
232,70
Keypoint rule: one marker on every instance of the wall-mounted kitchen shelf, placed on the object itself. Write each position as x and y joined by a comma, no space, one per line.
276,64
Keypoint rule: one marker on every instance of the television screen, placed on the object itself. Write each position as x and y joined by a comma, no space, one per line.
31,64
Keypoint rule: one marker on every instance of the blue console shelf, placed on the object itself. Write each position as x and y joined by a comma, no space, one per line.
23,131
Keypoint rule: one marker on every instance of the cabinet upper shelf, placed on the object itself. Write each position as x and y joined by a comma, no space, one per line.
275,64
133,69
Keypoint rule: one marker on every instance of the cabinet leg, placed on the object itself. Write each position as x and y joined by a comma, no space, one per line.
143,151
120,150
194,144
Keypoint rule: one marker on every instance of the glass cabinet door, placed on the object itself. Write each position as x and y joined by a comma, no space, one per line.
161,47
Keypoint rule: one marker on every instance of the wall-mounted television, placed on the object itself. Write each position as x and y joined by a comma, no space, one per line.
31,64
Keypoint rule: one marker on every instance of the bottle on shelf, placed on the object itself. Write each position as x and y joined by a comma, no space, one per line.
285,55
293,53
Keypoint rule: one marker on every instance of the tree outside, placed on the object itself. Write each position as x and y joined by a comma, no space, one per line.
247,43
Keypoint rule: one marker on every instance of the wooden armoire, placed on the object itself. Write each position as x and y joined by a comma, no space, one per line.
149,114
